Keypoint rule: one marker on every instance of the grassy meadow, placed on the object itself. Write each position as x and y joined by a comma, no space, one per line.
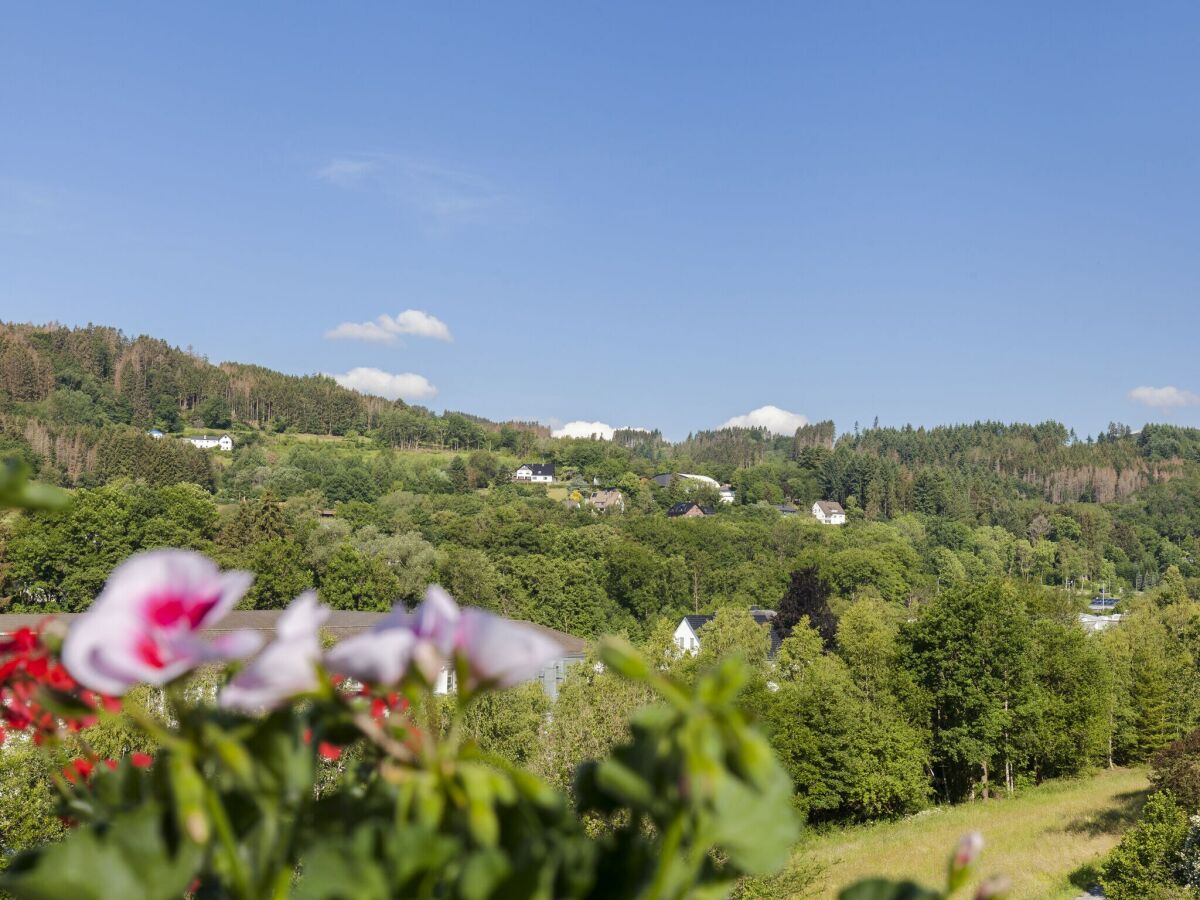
1048,840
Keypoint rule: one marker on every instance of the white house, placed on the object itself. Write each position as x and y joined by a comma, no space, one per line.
727,494
687,634
829,512
1098,623
535,473
224,442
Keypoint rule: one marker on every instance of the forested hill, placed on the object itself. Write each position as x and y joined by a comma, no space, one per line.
77,401
97,376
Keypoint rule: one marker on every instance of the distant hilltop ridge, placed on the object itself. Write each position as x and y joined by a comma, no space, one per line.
96,374
64,390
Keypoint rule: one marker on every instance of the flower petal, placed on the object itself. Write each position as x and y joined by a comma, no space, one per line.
502,653
380,656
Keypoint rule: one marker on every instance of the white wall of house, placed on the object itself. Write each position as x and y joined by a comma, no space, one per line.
526,474
685,638
831,519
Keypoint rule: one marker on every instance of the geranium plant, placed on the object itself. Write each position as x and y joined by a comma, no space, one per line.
229,806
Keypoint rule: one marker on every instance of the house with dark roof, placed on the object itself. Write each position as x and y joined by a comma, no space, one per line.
829,512
535,473
688,636
688,510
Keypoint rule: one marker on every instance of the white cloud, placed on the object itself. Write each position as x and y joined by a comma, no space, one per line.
1164,397
581,429
393,386
772,418
386,329
346,172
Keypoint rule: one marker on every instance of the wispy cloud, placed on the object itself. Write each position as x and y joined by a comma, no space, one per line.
772,418
393,386
387,329
1164,398
440,194
346,172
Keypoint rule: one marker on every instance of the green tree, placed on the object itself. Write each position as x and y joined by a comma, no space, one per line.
354,581
280,574
1144,865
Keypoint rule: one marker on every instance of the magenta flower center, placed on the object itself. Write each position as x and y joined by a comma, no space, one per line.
169,610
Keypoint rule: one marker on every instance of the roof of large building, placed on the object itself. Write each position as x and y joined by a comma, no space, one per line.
663,479
342,623
830,507
539,468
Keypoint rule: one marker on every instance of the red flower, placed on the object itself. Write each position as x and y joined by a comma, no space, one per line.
27,668
141,760
328,750
78,770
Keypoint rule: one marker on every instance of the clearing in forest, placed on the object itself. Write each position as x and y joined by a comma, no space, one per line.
1048,840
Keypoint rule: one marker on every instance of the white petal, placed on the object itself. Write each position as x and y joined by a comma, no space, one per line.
502,652
437,618
376,657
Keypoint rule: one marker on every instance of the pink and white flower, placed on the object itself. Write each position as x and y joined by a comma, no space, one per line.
380,656
497,652
287,668
145,626
500,652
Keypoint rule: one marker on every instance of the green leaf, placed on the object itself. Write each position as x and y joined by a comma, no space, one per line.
481,874
625,784
130,859
16,490
620,656
882,889
756,829
481,814
189,789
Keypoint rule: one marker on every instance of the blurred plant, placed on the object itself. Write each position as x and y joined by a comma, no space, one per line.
959,871
17,491
336,774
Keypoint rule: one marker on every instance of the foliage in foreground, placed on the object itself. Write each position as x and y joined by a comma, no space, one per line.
232,804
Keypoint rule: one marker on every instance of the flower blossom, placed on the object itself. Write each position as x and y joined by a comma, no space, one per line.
500,652
27,666
497,652
378,656
145,625
288,666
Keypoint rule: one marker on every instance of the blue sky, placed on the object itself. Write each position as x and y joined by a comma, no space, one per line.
663,214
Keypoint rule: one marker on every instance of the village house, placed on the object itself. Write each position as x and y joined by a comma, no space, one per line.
688,510
687,634
535,473
224,442
607,501
829,512
1098,623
